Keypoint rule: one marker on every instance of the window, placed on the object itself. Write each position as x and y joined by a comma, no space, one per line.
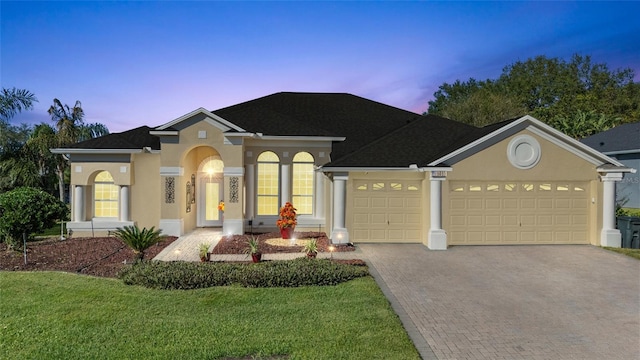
303,176
377,186
268,183
395,186
105,196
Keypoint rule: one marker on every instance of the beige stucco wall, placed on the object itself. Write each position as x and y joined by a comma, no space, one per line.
146,193
556,164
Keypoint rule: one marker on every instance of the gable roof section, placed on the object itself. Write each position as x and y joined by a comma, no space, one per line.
622,139
210,118
498,132
358,119
134,139
416,143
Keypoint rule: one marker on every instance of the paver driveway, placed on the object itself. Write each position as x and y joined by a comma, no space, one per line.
513,302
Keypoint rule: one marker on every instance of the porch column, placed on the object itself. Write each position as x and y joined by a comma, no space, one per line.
285,192
319,196
78,203
124,203
437,237
339,234
250,189
609,236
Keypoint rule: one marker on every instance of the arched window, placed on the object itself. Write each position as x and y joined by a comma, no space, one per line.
303,176
105,197
268,190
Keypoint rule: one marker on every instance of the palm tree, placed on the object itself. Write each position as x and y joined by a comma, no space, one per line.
13,101
70,129
68,120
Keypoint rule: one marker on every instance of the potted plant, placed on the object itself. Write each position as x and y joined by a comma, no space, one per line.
287,221
203,251
311,248
253,248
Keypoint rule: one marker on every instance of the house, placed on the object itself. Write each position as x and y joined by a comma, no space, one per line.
360,170
623,144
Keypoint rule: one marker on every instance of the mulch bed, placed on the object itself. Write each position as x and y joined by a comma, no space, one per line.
106,256
237,244
103,257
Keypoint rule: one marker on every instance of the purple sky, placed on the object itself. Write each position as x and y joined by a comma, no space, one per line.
147,63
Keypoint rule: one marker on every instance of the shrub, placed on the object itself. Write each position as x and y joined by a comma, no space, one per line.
138,240
284,273
27,211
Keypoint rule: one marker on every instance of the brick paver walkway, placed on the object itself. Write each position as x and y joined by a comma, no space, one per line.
513,302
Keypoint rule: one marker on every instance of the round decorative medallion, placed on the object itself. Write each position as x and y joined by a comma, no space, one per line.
523,152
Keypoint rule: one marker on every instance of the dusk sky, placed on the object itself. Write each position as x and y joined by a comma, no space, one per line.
147,63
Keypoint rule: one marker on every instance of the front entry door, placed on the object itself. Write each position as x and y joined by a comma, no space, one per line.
210,196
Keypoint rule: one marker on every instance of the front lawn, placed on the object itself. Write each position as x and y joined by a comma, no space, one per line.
51,315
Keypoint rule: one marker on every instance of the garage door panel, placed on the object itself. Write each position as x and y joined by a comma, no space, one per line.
492,220
413,235
458,204
413,219
493,204
378,219
527,203
361,219
414,203
396,219
545,203
475,204
519,213
396,203
510,220
545,220
474,220
458,220
380,203
361,203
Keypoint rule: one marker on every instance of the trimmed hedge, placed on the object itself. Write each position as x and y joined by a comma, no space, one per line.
284,273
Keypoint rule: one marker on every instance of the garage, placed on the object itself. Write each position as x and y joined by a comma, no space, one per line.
499,212
387,211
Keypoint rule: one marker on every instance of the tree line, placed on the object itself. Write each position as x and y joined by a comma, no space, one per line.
577,97
25,159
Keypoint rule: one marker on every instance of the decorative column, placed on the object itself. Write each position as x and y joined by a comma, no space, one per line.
339,234
609,236
250,188
319,195
124,203
285,192
437,239
78,203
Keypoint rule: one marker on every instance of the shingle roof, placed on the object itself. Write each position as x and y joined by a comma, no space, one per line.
137,138
625,137
358,119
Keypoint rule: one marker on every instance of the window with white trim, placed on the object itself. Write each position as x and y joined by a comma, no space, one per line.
303,183
268,184
105,196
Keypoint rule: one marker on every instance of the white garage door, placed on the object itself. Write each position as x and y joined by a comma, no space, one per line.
518,213
387,211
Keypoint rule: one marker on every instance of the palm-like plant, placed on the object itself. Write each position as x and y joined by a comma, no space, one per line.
13,101
138,240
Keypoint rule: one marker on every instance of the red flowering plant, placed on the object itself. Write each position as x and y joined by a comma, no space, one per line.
287,216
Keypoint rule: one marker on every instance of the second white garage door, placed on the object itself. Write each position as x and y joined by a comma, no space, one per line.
518,213
387,211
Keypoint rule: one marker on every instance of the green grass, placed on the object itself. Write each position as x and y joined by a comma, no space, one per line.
634,253
52,231
51,315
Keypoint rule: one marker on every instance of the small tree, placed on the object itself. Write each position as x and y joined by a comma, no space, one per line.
139,240
25,211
